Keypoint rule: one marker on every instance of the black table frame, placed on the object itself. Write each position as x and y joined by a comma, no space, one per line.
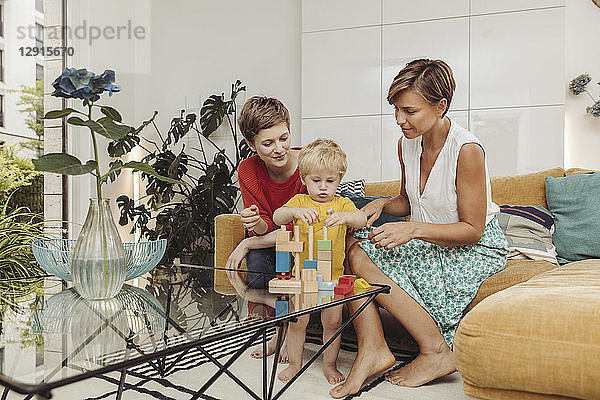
44,390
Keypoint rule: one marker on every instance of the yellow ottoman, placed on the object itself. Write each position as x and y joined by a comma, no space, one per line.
537,340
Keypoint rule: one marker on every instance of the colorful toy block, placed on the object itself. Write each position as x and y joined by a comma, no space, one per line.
282,262
360,283
324,268
291,247
343,289
309,280
325,286
310,264
282,305
324,255
347,280
285,286
324,245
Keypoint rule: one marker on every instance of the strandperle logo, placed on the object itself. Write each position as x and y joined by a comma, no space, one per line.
85,31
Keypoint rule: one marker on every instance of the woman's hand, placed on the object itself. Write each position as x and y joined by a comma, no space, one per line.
308,215
237,255
236,280
392,234
250,217
374,210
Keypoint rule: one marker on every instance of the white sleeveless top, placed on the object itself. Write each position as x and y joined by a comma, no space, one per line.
437,204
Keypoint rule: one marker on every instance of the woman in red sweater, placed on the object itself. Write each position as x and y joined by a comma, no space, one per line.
267,181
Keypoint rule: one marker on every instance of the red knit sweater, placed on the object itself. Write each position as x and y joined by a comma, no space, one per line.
258,188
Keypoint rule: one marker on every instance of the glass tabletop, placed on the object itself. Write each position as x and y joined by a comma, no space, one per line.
51,336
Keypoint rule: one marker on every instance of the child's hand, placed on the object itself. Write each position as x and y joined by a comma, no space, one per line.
308,215
335,218
250,217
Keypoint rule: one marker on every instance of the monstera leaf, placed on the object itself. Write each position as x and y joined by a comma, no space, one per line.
179,128
62,163
212,113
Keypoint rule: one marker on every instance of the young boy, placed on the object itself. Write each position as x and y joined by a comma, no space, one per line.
321,164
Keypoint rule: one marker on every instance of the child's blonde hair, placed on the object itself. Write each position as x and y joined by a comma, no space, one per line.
322,154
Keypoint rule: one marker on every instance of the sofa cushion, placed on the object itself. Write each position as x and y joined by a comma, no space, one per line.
573,200
516,271
528,230
351,188
540,337
388,188
525,189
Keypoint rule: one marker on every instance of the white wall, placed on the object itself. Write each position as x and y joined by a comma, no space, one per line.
508,60
582,131
191,49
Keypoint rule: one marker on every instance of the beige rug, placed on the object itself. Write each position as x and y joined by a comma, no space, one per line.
311,385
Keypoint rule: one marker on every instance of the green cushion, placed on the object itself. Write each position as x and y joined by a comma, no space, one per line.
575,203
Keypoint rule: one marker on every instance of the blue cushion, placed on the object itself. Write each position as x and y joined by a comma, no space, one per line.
573,200
361,201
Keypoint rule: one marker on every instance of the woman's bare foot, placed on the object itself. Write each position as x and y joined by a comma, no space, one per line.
288,373
283,355
368,362
332,374
425,368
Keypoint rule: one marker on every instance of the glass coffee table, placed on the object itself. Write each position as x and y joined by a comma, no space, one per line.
50,337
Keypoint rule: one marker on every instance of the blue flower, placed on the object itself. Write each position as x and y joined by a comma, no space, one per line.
578,84
83,84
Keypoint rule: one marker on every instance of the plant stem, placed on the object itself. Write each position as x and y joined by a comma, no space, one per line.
98,173
591,97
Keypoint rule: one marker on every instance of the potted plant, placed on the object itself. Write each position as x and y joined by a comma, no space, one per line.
98,266
184,214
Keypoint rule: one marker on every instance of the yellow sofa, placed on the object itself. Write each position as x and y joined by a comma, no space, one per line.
530,363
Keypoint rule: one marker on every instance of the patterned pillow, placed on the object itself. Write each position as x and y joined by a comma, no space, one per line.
351,188
528,230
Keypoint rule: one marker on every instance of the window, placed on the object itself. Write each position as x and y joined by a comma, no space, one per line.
39,5
39,72
1,20
1,65
1,110
39,36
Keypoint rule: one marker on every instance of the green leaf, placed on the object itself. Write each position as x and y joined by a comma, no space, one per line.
111,113
212,113
59,113
110,129
62,163
147,169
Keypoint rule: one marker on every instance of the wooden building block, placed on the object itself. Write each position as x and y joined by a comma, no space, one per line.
310,286
347,280
323,245
282,236
289,246
282,305
282,262
310,264
343,289
324,268
309,299
324,232
309,274
324,255
285,286
311,234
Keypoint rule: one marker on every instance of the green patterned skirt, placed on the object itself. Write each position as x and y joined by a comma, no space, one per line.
443,280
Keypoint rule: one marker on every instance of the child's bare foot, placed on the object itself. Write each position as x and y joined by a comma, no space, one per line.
288,373
283,355
332,374
367,362
425,368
